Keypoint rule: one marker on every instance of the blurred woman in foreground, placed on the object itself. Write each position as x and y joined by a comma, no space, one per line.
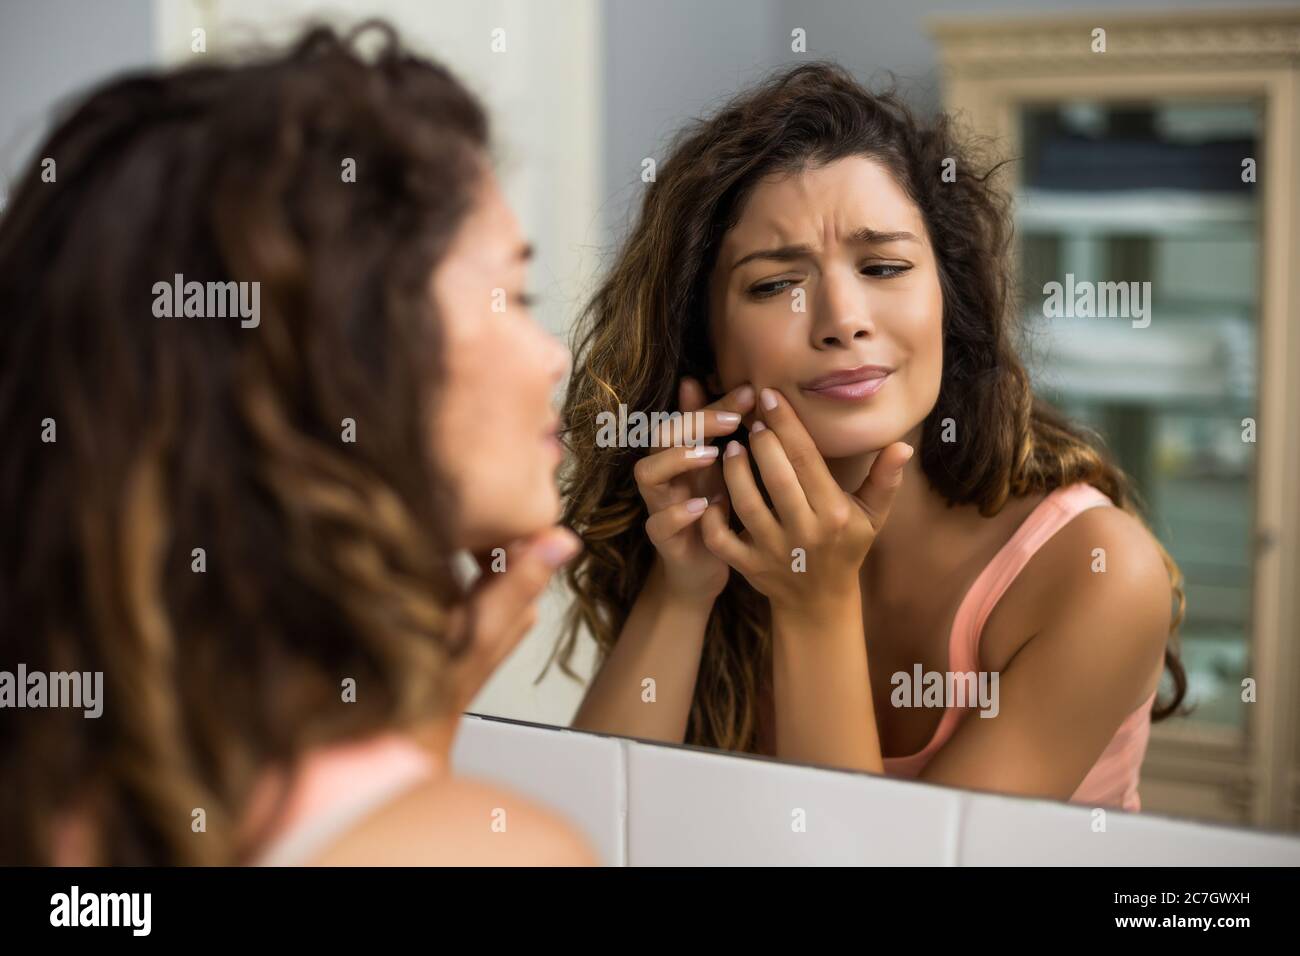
267,367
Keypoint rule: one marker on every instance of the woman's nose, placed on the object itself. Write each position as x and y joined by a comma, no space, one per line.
843,315
560,359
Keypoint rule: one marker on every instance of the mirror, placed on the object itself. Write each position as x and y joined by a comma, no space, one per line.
1140,264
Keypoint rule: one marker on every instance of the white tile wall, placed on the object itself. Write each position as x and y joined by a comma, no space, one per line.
581,776
688,807
648,805
1010,831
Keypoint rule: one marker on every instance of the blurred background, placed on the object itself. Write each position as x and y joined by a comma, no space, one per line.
1126,182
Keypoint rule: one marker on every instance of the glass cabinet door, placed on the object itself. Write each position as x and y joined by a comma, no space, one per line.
1139,234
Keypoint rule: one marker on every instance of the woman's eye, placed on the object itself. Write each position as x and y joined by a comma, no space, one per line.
765,290
885,270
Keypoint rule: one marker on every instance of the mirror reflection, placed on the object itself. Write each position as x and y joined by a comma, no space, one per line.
909,443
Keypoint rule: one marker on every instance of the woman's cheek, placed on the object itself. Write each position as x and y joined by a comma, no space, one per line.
760,362
742,352
730,373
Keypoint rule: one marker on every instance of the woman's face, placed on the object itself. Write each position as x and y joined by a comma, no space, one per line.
495,432
828,270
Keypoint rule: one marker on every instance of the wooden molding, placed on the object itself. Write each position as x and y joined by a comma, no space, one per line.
1057,46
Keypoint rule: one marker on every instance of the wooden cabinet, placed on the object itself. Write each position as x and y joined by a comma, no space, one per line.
1166,148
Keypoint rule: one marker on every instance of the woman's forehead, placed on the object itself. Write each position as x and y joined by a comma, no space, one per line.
843,198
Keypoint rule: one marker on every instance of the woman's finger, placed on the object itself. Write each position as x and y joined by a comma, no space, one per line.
723,542
692,428
500,599
881,484
662,525
502,608
779,479
819,486
740,399
745,497
696,422
707,483
655,472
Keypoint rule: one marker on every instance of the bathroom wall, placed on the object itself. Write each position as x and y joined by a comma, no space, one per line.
653,805
53,49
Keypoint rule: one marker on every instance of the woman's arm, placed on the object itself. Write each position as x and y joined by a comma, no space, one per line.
822,689
661,642
664,634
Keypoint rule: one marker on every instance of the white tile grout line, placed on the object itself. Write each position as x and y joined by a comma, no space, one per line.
624,790
958,820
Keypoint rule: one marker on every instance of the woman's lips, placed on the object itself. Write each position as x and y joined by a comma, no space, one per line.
862,386
551,438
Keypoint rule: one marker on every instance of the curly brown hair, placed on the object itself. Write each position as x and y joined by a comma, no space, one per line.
325,559
647,327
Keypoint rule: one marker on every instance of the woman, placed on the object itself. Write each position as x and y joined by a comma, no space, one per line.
247,519
904,507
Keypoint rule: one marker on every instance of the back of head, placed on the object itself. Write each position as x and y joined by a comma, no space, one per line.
217,350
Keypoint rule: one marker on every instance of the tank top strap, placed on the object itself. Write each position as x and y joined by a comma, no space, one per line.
1048,517
336,787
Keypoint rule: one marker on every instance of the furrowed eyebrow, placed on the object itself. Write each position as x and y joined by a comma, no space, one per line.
868,234
787,253
782,254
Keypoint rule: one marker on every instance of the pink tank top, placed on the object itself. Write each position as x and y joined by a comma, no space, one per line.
336,787
1113,779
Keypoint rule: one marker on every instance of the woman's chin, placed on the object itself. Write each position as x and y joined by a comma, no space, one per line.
836,443
533,513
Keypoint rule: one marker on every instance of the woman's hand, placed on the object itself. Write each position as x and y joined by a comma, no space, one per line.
502,607
677,485
832,529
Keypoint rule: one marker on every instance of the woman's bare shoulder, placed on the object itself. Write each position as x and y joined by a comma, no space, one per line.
1106,564
1101,556
456,821
1113,542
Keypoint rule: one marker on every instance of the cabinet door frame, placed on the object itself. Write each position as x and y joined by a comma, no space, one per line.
991,69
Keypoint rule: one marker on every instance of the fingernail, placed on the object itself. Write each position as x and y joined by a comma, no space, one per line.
769,398
757,427
910,452
729,418
745,394
702,451
733,449
696,505
558,549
